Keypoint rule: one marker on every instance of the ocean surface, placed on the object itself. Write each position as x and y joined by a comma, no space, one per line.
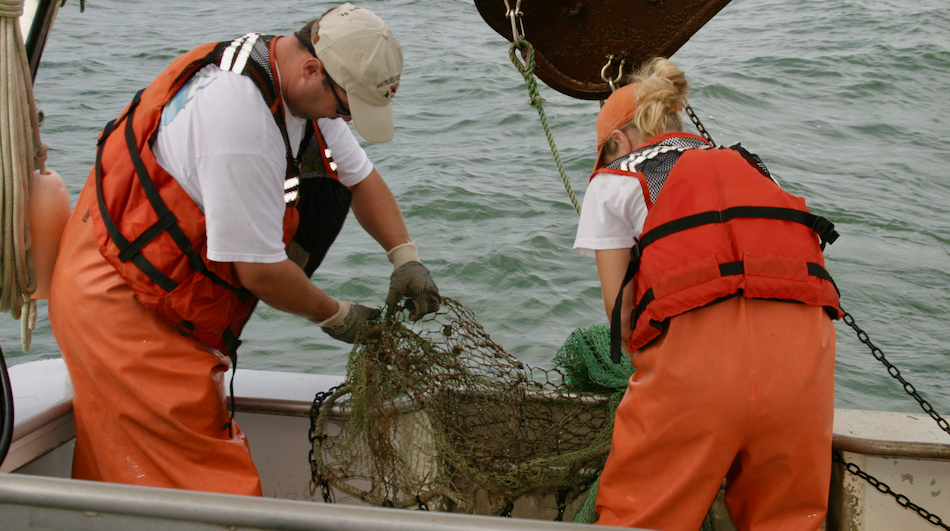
847,102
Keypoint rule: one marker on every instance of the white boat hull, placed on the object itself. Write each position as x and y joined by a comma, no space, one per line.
908,452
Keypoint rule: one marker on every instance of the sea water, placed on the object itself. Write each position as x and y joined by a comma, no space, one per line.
846,101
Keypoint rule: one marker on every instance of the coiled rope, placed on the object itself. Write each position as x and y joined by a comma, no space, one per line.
21,151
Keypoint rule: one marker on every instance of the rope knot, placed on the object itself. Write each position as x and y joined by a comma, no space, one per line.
40,154
536,101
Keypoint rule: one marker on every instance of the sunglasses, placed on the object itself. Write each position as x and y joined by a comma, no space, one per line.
342,110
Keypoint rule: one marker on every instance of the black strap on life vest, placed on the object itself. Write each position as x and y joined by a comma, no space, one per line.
147,267
232,342
821,226
167,222
824,228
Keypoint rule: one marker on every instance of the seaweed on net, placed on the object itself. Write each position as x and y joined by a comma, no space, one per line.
434,414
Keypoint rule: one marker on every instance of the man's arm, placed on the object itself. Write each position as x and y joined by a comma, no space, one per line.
376,209
284,286
378,213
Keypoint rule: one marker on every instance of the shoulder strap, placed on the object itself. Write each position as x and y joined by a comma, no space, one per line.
250,55
615,336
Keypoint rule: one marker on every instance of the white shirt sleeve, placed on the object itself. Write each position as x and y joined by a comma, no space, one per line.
612,215
220,142
352,163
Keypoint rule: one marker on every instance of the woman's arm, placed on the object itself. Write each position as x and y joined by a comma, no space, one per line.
612,266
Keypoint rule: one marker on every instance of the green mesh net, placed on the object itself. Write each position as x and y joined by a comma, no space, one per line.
585,358
435,415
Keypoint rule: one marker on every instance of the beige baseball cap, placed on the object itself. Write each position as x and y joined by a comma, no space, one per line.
361,54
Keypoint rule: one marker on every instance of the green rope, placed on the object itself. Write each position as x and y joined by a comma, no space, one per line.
536,101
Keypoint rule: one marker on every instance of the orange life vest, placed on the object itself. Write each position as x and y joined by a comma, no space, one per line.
718,226
153,233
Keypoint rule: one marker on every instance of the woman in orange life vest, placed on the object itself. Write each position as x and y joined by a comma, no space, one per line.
225,181
726,321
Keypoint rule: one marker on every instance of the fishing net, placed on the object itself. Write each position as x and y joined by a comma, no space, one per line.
435,415
585,358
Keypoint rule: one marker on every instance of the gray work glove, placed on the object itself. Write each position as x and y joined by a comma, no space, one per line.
411,279
350,321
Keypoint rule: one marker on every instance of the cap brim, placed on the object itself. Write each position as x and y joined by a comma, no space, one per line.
373,122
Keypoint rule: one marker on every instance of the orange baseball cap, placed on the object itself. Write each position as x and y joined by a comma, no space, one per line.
616,111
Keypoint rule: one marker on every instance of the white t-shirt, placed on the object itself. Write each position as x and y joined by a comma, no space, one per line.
219,141
612,215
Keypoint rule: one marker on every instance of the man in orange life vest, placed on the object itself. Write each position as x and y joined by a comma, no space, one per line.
224,182
726,321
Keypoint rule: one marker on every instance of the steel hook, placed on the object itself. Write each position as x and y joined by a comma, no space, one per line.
603,72
515,16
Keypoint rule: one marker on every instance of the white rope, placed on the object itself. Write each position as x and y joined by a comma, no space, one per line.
20,153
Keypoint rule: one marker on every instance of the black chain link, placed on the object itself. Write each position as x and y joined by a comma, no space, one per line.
315,474
902,500
698,124
422,505
509,506
882,487
896,373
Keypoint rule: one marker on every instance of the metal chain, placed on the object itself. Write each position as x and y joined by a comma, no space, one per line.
882,487
316,477
902,500
699,125
896,373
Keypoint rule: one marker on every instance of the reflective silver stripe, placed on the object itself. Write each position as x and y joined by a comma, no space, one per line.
290,189
245,53
328,153
228,56
635,159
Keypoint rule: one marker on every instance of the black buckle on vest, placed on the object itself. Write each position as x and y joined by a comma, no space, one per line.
825,229
635,253
186,328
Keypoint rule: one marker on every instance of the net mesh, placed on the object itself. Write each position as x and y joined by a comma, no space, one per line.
434,414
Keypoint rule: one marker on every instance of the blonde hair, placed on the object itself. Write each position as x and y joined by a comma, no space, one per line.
662,94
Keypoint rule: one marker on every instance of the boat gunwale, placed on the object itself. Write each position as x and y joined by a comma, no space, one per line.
92,498
841,442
